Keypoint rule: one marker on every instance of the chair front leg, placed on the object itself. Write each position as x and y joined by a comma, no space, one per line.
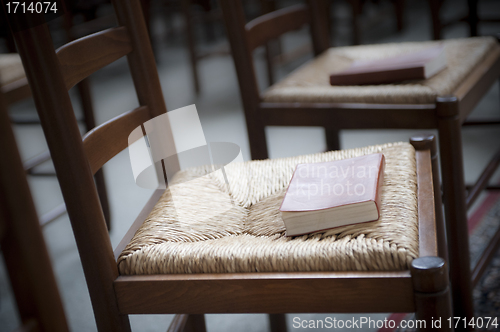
277,322
332,139
450,143
432,294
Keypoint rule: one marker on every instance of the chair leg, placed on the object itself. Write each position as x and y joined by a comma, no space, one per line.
450,143
332,139
435,6
89,119
103,196
277,322
355,10
269,62
195,323
472,18
432,293
257,140
186,10
399,9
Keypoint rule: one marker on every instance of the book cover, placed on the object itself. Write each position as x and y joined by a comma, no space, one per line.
411,66
331,194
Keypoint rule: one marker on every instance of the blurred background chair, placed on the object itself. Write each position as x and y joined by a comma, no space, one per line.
305,98
23,247
358,25
472,18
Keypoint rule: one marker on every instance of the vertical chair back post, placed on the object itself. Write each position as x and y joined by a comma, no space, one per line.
141,59
243,60
450,147
319,11
73,171
22,242
142,64
429,271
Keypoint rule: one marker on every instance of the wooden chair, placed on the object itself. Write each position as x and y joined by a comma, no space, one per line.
208,17
424,289
471,18
214,15
23,247
305,98
356,10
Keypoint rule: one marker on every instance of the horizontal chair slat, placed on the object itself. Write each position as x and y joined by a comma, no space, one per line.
300,292
84,56
274,24
107,140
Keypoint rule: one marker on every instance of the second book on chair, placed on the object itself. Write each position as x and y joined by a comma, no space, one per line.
411,66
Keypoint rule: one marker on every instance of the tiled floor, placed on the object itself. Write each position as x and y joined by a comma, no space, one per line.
222,119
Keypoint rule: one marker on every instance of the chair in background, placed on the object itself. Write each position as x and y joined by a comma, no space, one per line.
471,18
212,15
208,17
306,98
22,243
114,296
356,11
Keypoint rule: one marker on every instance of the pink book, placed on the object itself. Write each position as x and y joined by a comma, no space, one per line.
332,194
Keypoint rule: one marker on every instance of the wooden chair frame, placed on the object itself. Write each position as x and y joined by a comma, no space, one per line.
424,289
22,243
471,18
18,90
447,115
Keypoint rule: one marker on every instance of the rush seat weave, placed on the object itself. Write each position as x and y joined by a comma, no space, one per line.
311,82
238,228
11,68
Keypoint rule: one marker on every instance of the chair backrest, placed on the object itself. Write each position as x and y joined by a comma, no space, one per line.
22,243
246,37
51,74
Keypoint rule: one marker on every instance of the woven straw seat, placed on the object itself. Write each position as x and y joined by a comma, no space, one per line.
245,233
310,83
11,68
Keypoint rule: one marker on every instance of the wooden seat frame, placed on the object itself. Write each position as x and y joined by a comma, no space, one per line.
424,289
447,115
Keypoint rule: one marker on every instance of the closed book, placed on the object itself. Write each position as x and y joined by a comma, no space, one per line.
411,66
333,194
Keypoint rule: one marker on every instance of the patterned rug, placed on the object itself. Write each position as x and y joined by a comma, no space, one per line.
487,292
